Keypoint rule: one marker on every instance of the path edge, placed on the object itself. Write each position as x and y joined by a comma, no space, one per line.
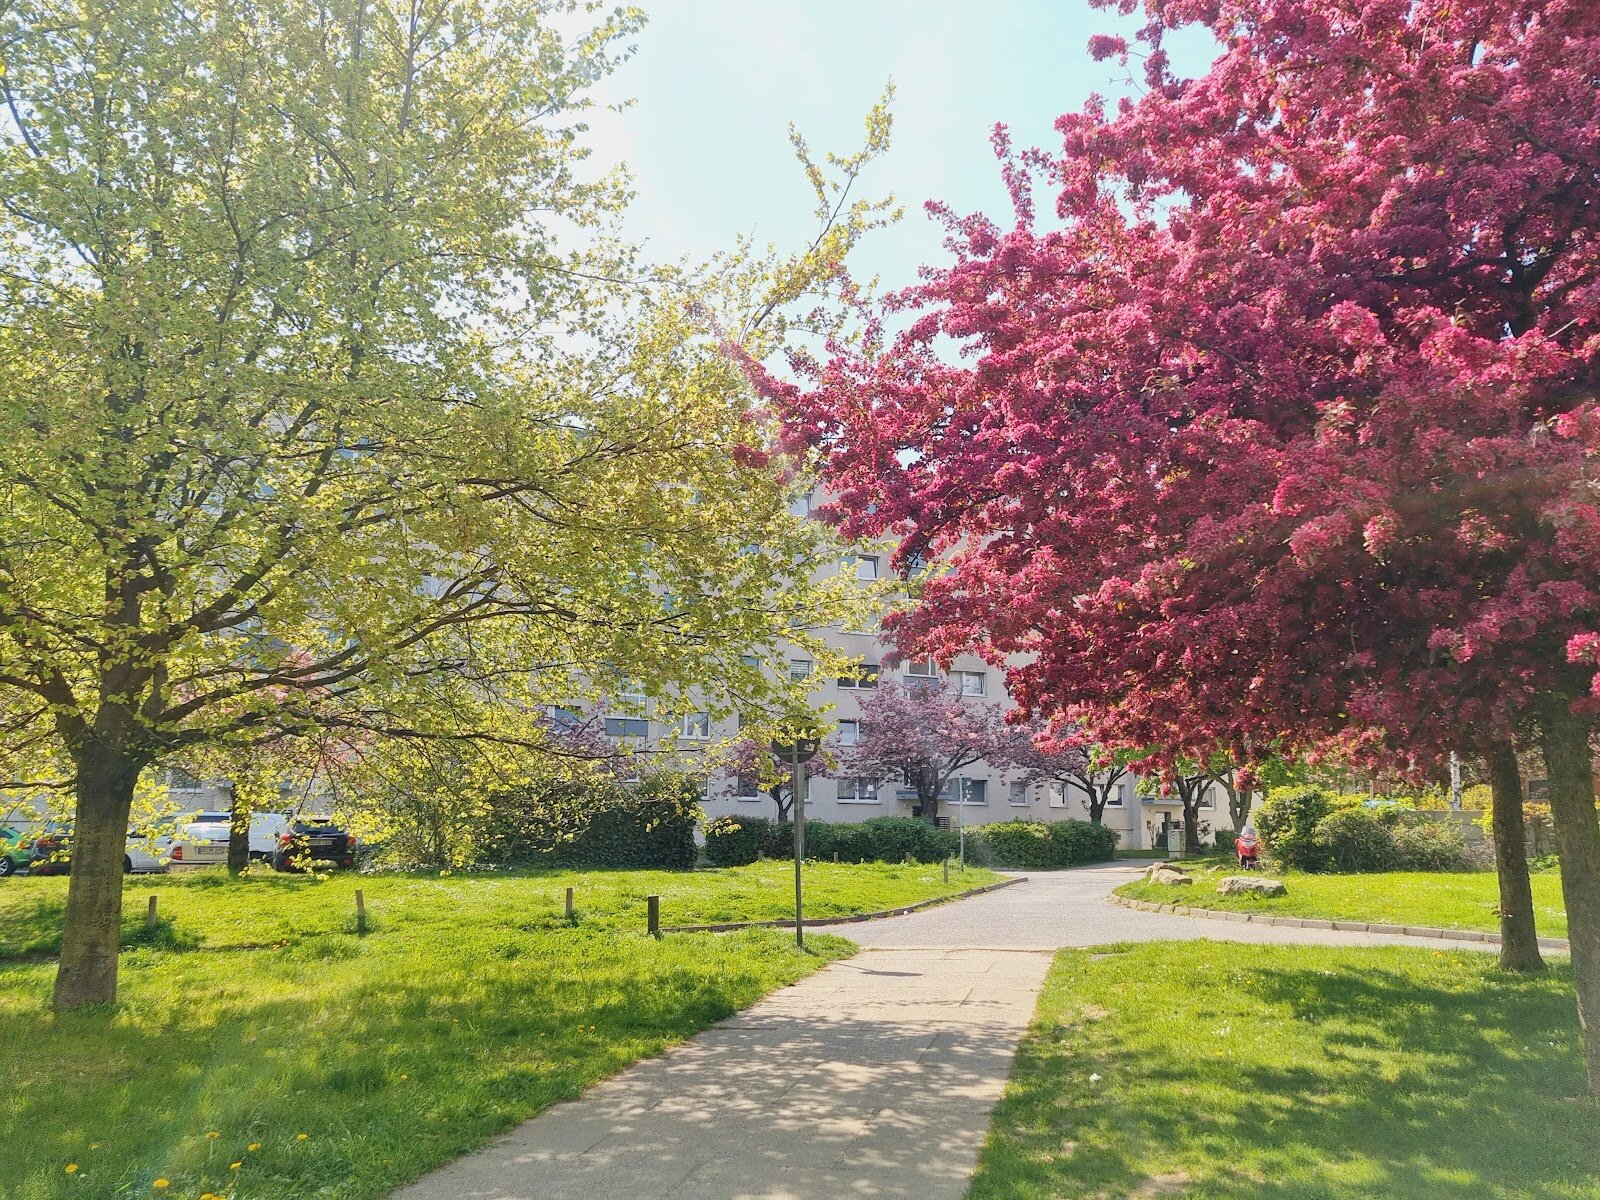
854,919
1427,931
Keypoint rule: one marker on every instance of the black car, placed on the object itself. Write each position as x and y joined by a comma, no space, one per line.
312,842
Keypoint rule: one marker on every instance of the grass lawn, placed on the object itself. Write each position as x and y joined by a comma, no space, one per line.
1233,1072
1449,899
352,1064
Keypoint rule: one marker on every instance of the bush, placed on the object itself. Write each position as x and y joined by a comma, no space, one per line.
1288,826
650,825
1431,846
738,841
1354,839
1224,842
894,839
1040,845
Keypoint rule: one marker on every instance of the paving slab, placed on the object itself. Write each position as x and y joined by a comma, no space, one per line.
873,1077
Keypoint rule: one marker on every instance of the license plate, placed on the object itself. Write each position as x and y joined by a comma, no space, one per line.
322,843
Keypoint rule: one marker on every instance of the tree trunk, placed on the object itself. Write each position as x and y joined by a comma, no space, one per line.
1239,800
92,929
1519,941
783,805
1191,826
238,831
1572,806
930,808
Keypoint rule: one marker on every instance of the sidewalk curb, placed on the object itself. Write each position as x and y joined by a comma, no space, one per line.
1426,931
731,926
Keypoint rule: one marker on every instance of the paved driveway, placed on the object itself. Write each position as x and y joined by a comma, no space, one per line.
1068,908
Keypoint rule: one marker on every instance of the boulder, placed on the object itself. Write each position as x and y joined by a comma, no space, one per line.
1167,873
1235,885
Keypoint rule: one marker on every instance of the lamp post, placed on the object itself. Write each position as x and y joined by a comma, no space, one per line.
797,753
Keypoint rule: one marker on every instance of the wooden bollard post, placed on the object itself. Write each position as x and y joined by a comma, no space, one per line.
571,912
835,856
361,912
652,915
150,914
947,870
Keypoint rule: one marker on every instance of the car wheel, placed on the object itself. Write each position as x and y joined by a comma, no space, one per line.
8,866
127,864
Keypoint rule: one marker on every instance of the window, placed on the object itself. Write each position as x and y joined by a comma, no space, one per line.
799,668
971,791
619,727
924,668
1118,796
695,726
849,733
1058,794
630,691
1019,795
866,676
800,506
747,786
972,682
751,661
857,791
563,718
1206,798
866,567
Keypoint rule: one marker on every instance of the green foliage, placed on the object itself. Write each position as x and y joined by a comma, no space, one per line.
1353,839
738,841
1041,845
896,839
1224,841
1287,822
1431,846
649,825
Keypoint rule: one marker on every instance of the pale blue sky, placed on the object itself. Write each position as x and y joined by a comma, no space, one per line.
716,83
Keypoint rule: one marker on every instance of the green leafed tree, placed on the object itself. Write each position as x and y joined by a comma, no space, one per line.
330,407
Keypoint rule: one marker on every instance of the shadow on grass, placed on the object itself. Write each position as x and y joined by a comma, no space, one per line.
1266,1074
391,1057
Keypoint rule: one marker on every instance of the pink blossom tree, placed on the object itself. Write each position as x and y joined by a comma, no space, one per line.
922,736
1070,761
1282,429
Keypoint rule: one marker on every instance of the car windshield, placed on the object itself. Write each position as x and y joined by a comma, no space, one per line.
197,818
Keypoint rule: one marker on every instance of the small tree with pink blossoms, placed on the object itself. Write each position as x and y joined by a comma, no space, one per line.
757,768
923,735
1072,762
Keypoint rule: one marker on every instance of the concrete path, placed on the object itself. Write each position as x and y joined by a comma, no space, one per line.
1068,908
874,1077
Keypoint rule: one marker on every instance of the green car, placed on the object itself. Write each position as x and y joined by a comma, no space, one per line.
15,854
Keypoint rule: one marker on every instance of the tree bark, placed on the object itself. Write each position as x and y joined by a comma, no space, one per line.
238,831
1569,761
1519,940
92,929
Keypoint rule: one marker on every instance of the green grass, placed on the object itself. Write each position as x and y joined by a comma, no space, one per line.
469,1006
1446,899
207,910
1233,1072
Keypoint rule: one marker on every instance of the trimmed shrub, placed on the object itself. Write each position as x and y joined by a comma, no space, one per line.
1224,842
1431,846
1288,826
648,825
894,839
1354,839
1084,841
738,841
1041,845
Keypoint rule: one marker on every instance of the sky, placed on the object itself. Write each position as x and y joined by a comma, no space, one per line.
716,83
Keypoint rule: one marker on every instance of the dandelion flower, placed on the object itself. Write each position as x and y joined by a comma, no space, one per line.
403,1075
235,1166
161,1185
72,1168
213,1134
94,1145
253,1147
300,1137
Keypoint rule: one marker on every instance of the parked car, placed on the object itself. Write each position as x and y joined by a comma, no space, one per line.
15,852
315,842
50,850
202,839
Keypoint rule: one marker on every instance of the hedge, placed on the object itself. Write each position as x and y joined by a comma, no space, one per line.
598,823
1306,828
736,841
1041,845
